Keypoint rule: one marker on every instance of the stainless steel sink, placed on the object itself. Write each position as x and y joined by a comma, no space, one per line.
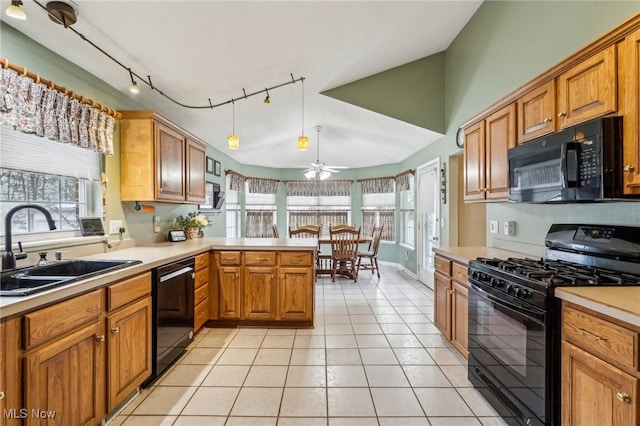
34,279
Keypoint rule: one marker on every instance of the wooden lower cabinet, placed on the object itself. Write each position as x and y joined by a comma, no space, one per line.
451,306
10,371
201,291
66,378
442,308
296,293
460,318
596,393
229,292
259,288
129,361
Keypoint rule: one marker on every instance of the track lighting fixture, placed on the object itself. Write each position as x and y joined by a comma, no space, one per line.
133,88
64,13
15,11
303,141
233,141
267,100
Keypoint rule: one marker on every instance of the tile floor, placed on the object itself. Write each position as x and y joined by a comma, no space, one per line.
374,358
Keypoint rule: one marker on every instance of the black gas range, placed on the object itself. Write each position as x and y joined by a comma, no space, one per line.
514,320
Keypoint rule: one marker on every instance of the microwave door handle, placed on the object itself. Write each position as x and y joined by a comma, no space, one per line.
569,164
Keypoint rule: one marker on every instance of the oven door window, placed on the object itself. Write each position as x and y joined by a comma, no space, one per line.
510,346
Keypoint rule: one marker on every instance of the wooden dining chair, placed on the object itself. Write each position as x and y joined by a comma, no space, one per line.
344,249
372,252
342,226
275,231
305,231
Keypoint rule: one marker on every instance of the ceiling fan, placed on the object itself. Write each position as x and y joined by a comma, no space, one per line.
318,169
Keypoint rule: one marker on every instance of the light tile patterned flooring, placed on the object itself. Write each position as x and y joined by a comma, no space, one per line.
374,358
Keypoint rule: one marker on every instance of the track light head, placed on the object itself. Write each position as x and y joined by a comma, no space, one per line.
15,11
267,99
63,12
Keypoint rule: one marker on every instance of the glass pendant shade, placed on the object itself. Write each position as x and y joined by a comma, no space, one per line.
133,88
15,11
310,174
324,174
233,142
303,143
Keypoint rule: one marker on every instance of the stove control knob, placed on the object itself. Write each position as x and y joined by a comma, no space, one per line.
494,282
518,292
509,289
500,283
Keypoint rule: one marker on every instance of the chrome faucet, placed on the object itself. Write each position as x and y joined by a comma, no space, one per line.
8,258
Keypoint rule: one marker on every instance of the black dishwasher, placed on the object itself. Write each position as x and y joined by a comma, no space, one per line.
173,317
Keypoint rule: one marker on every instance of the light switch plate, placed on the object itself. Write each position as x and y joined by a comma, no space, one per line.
493,226
156,224
509,228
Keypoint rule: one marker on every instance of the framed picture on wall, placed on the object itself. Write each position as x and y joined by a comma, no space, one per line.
217,168
210,164
208,197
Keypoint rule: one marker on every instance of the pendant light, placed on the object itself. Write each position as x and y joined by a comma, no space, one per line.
303,141
15,11
233,141
133,88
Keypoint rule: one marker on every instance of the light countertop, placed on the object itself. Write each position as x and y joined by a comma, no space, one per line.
465,254
622,303
152,256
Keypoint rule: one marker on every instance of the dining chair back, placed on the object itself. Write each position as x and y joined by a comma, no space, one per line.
344,249
342,226
372,253
305,231
275,231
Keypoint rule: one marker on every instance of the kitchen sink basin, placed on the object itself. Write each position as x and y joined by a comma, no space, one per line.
40,278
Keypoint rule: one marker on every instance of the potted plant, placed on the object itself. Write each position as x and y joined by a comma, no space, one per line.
192,223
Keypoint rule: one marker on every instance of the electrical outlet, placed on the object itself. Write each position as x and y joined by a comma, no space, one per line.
509,228
114,226
156,224
493,226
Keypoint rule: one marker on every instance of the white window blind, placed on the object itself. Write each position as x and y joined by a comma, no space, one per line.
22,151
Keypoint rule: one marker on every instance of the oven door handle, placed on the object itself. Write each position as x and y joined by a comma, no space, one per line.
176,273
533,313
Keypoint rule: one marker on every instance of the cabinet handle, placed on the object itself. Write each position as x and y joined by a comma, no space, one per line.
201,296
1,394
623,397
229,259
548,120
629,168
272,276
115,330
237,275
100,338
588,333
260,259
562,114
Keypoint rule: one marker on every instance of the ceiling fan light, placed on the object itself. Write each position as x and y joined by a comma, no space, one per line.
324,174
15,11
303,143
310,174
233,142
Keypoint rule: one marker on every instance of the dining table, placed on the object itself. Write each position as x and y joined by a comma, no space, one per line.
325,265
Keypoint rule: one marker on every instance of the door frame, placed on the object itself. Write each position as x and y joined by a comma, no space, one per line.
426,277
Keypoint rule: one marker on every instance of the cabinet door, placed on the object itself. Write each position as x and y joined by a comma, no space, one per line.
170,164
588,90
460,318
129,361
630,93
259,292
442,308
594,392
229,292
296,293
68,377
500,136
537,112
195,172
474,178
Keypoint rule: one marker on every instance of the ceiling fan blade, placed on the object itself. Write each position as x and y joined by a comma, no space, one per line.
337,167
331,170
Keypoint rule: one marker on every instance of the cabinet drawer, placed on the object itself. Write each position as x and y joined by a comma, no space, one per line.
202,277
202,261
201,294
230,258
459,273
599,336
201,314
127,291
295,258
54,321
443,265
260,258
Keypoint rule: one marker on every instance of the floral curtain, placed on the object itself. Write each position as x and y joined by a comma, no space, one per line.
33,107
386,218
403,180
314,188
236,181
377,185
259,223
263,186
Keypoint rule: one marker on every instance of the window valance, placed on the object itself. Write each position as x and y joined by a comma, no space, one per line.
318,188
377,185
236,180
33,105
403,181
263,185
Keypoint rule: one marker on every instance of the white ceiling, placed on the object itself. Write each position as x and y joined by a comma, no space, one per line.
200,50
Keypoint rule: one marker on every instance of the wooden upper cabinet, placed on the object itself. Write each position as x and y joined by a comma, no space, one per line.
537,112
159,161
474,178
629,74
485,155
196,157
589,89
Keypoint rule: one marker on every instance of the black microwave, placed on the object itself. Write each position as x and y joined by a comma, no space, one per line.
581,163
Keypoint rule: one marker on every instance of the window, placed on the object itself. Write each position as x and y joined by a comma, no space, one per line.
261,214
379,210
232,212
324,211
62,178
408,212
